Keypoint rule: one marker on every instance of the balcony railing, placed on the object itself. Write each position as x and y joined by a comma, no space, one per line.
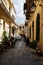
25,6
5,13
6,4
29,8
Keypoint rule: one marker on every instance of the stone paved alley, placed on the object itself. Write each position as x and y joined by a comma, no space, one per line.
20,55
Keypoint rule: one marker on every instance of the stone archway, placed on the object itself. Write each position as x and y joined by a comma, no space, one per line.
38,27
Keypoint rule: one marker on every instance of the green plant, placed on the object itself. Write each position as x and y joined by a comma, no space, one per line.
33,44
4,38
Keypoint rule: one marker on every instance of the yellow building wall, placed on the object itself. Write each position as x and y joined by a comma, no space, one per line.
4,18
1,29
39,9
41,36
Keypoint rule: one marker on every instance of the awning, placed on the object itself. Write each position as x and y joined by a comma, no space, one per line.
4,14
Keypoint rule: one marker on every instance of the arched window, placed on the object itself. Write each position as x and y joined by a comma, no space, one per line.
33,30
38,27
30,31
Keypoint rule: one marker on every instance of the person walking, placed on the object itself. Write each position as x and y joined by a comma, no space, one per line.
27,41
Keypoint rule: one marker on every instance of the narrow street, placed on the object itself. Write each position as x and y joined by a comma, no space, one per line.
21,32
20,55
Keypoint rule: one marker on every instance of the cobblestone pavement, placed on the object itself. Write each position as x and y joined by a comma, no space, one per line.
20,55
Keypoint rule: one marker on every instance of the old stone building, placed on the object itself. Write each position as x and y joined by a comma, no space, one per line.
7,17
33,9
21,29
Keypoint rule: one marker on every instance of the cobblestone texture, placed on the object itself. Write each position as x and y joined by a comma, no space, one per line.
20,55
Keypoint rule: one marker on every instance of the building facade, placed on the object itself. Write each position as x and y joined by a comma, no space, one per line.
7,17
34,16
22,29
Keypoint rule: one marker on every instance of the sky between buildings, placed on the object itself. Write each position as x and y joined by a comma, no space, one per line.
20,17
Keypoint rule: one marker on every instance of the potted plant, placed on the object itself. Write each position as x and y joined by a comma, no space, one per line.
4,39
33,44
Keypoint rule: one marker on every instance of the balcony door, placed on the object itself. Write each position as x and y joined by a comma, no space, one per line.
38,27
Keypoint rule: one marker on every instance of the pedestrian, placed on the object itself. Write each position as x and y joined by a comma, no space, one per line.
11,41
27,41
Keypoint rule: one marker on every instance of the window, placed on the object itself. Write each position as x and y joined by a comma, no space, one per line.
38,27
30,32
33,30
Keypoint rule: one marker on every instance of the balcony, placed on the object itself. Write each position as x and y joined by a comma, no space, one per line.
33,7
29,8
25,7
6,4
4,14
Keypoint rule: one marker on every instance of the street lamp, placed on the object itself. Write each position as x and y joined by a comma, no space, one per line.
33,7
